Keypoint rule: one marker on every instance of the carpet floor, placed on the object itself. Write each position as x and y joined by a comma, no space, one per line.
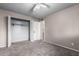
37,48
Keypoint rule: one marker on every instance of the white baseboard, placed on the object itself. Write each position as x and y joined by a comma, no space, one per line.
2,46
63,46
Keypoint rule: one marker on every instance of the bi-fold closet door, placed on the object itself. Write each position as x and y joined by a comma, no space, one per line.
19,30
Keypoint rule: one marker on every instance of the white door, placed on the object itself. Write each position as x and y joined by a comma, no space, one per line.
35,30
20,31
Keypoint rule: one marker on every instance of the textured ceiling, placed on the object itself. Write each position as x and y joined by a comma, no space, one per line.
26,8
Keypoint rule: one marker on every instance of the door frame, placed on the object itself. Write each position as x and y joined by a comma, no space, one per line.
8,40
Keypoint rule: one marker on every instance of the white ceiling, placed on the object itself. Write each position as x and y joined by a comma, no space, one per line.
26,8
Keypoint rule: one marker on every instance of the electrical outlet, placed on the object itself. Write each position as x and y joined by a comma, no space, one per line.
72,44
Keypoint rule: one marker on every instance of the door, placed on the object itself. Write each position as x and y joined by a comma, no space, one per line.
19,30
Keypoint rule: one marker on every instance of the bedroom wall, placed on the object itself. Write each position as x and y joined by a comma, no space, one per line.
3,15
62,28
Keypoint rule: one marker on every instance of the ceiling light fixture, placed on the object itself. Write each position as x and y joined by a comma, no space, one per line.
38,6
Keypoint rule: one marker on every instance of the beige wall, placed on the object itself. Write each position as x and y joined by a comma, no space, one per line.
3,15
62,28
